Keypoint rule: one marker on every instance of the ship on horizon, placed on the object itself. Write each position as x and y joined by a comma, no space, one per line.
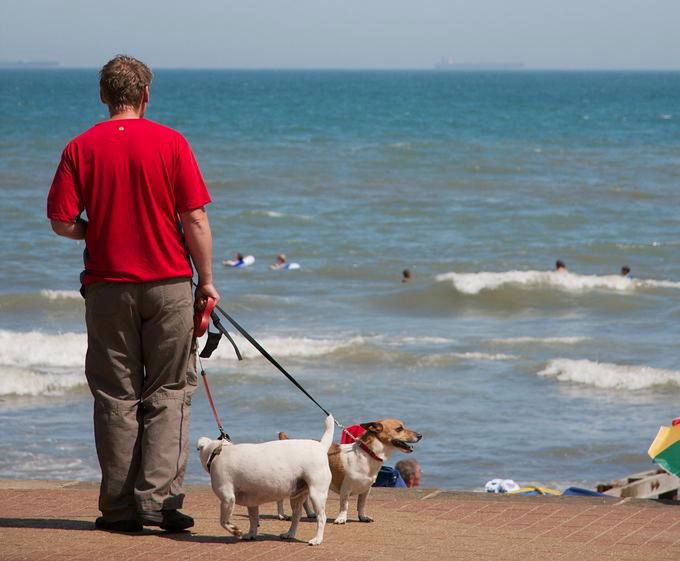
449,64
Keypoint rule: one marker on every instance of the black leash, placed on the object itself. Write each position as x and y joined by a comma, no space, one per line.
265,354
214,338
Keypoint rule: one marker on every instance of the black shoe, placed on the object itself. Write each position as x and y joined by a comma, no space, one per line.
118,525
168,520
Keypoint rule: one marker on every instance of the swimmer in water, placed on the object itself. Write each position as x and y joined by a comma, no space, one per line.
560,267
280,262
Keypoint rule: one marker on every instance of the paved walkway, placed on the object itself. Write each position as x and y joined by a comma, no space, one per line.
53,521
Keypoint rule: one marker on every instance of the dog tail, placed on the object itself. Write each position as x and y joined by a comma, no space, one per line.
327,438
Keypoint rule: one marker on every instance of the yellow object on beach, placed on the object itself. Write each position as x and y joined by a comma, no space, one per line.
665,449
533,490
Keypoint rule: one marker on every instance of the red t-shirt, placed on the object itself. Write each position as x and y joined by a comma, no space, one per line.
133,177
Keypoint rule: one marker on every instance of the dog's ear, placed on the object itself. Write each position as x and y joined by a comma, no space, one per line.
373,426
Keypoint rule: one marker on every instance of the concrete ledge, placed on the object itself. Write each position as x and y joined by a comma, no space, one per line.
36,484
53,520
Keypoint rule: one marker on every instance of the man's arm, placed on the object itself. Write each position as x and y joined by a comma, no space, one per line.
199,239
73,230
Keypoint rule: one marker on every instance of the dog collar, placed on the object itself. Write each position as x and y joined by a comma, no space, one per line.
214,454
370,452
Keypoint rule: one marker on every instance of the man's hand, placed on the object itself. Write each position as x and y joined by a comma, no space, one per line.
203,292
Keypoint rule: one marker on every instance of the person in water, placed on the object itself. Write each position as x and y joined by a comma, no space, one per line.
406,276
280,262
238,260
560,267
625,272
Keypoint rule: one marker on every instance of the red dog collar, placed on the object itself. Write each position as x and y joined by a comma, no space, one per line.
370,452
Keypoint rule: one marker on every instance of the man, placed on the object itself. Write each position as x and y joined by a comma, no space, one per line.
144,197
410,472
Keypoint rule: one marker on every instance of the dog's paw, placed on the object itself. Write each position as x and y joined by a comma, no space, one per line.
234,529
287,536
340,520
283,517
250,536
311,516
315,541
364,518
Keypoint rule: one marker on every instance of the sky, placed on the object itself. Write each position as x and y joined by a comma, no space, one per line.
559,34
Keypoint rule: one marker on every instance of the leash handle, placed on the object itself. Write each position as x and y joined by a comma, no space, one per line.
202,317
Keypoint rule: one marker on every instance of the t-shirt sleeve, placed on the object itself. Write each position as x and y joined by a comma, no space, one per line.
190,189
64,201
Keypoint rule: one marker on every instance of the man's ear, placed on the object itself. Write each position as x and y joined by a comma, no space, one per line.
101,96
145,95
373,426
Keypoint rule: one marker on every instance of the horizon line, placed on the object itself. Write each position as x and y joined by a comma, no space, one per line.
55,65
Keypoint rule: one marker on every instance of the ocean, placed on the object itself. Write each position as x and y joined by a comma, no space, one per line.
474,181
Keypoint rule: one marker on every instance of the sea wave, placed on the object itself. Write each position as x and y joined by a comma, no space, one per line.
37,363
20,381
609,376
64,350
61,294
539,341
474,283
42,301
38,349
484,356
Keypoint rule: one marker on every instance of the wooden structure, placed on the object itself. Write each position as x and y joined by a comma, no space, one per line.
654,484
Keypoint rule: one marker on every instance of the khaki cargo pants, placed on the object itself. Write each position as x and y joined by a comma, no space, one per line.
141,369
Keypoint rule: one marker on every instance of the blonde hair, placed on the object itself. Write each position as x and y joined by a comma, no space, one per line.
122,81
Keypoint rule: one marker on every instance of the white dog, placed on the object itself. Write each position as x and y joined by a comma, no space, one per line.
253,474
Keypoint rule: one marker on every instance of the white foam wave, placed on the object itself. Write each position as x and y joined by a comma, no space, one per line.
474,283
610,376
539,340
18,381
34,348
425,340
440,359
484,356
658,283
277,346
61,294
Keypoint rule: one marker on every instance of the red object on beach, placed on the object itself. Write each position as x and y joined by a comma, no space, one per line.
202,318
676,421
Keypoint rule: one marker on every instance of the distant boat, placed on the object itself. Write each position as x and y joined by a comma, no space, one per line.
449,64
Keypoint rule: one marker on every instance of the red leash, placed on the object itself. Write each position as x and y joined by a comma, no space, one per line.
223,435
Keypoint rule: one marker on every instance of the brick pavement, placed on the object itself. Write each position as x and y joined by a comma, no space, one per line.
53,521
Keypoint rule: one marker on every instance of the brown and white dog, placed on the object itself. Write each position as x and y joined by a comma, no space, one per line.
355,466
